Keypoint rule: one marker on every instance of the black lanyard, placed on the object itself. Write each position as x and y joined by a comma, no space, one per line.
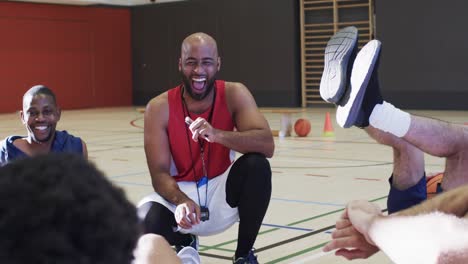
200,181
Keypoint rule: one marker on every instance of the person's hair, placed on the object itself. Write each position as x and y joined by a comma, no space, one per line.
40,89
59,208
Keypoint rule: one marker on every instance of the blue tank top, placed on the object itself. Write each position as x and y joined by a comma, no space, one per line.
63,142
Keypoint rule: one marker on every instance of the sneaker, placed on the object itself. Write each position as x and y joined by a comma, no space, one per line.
339,56
350,111
249,259
193,244
189,255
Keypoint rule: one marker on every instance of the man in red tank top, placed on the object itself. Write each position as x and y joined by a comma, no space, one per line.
191,133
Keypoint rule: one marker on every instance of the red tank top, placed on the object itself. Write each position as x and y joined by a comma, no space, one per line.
217,156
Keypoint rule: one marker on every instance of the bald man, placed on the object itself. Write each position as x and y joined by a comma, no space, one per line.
191,133
40,115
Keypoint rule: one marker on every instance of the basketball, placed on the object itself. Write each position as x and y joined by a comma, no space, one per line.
302,127
431,184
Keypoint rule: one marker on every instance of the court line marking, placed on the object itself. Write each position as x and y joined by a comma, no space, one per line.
307,202
288,227
312,257
290,239
296,253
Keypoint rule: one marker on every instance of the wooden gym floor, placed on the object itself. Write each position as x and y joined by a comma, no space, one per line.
313,177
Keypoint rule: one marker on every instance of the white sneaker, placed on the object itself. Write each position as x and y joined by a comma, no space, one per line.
363,67
339,56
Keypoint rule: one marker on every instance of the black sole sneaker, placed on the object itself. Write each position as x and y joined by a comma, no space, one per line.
339,55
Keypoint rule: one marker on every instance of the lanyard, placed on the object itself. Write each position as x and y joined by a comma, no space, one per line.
204,179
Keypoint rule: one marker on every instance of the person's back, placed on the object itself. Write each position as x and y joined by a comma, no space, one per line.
59,208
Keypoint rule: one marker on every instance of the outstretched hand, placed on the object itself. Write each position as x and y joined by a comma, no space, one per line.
351,244
187,214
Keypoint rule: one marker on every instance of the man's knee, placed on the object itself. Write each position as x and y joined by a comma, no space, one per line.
250,171
253,162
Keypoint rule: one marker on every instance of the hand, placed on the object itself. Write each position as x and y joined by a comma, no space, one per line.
200,128
350,243
187,214
362,214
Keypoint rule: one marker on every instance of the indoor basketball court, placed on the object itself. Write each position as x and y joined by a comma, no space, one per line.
106,59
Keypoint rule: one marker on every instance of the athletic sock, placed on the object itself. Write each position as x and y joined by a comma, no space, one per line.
388,118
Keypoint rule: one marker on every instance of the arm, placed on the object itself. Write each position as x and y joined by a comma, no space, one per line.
253,132
425,238
85,149
158,157
434,226
453,202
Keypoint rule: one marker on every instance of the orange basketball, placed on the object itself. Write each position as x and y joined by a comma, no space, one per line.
302,127
431,184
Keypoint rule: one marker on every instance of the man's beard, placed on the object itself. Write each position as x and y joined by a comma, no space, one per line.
210,83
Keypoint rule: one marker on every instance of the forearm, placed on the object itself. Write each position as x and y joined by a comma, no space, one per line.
451,202
257,140
419,239
169,189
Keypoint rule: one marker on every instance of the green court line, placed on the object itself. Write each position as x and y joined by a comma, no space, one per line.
217,246
296,253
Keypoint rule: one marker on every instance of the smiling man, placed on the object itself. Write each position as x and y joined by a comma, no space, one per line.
191,133
40,115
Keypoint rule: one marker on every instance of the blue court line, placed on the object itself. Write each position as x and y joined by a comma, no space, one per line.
308,202
272,199
289,227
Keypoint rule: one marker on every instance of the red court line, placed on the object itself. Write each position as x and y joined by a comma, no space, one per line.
132,123
317,175
367,179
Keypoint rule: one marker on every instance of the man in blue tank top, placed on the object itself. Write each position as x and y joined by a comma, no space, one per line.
40,115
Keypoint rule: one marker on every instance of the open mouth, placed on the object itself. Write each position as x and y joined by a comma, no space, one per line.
199,83
41,130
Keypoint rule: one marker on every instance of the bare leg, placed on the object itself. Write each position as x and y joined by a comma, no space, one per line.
442,139
408,160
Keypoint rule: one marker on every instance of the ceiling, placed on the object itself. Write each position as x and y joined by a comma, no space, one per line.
96,2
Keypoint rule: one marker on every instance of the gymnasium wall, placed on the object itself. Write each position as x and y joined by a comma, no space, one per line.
82,53
424,63
258,41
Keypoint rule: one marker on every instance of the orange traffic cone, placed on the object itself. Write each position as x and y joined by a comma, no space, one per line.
327,127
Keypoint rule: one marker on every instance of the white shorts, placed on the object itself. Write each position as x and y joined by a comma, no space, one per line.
222,216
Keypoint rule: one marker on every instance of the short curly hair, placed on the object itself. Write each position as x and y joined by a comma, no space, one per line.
59,208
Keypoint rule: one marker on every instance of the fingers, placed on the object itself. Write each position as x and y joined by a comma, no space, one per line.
351,254
357,246
181,219
342,223
349,231
184,216
200,128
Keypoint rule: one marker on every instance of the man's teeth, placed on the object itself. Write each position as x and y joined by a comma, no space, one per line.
199,79
41,127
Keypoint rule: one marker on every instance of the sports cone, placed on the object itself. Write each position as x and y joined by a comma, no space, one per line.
327,127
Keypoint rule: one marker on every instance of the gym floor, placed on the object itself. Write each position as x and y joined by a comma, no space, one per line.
313,177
